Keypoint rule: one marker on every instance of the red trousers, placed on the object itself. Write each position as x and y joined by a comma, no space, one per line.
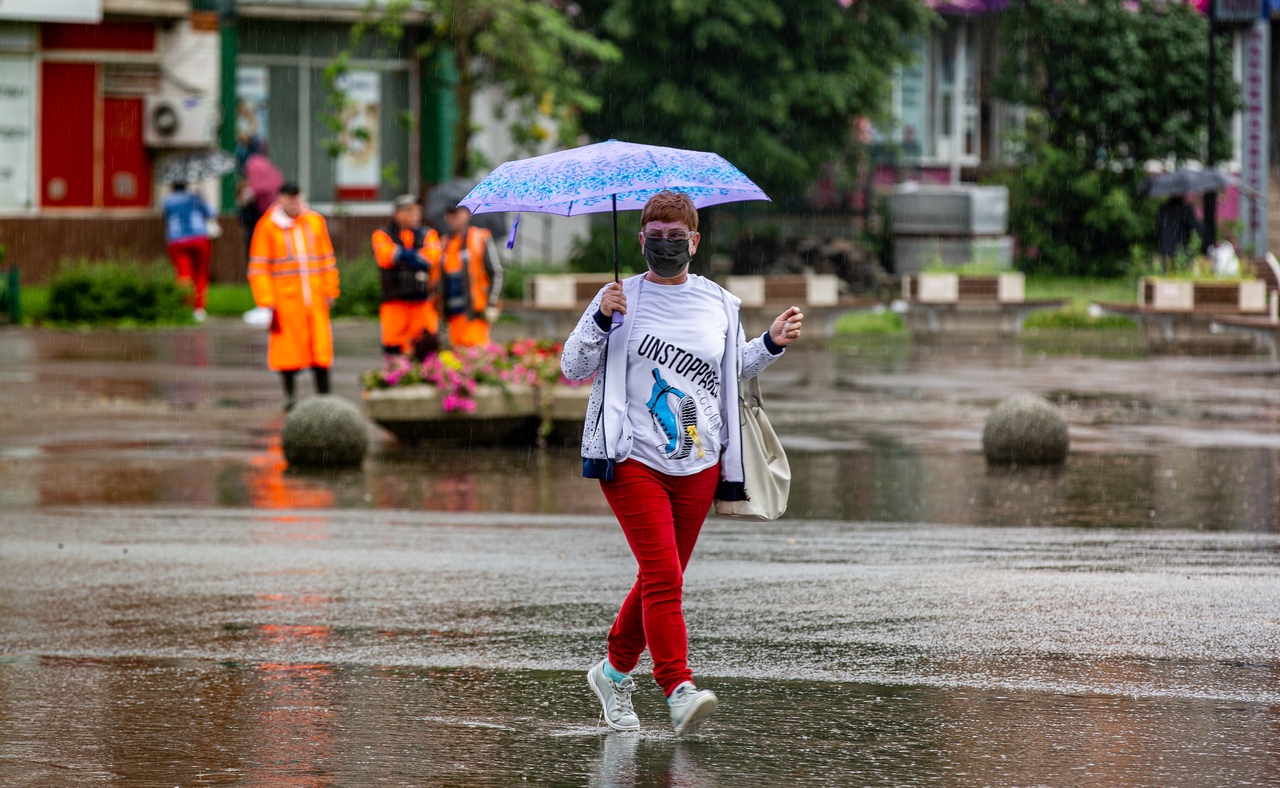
191,262
661,517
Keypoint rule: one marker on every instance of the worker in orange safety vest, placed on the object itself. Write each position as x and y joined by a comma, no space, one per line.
408,255
471,282
293,271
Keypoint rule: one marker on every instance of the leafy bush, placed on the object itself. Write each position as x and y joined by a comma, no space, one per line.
594,254
1070,218
129,293
1075,317
867,323
229,300
1106,83
35,305
360,283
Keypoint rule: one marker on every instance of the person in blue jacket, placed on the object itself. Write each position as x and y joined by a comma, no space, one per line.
186,231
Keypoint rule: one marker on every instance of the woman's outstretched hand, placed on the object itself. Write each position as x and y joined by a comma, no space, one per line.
613,300
786,327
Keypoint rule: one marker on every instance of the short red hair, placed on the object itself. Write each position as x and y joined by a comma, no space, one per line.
669,206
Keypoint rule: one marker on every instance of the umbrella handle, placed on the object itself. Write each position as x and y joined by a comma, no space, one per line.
615,237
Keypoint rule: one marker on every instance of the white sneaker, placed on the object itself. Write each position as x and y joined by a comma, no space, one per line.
200,315
615,698
689,707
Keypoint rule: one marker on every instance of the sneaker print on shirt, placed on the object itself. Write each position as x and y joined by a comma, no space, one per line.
676,415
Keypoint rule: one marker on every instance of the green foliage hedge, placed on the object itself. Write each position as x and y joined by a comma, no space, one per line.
593,254
117,292
1109,85
360,285
870,323
769,85
1075,317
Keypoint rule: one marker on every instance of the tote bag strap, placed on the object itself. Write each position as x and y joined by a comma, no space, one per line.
750,389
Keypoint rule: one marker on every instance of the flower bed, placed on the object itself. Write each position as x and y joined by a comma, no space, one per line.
512,382
456,373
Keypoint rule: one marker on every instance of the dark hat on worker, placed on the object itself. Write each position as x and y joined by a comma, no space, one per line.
290,189
405,201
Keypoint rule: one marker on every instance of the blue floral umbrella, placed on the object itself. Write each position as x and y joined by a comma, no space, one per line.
608,176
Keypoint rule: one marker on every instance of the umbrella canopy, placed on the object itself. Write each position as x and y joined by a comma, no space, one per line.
608,176
589,180
1185,181
193,167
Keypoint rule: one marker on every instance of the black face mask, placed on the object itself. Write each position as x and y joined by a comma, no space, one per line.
666,258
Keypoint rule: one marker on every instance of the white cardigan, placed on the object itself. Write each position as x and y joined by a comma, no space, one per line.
606,435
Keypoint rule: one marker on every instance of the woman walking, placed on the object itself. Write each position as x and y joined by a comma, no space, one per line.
662,436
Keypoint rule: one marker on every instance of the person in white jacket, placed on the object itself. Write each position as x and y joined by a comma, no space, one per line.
662,435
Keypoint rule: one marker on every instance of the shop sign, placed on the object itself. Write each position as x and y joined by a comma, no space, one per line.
1237,11
252,92
1255,132
52,10
359,170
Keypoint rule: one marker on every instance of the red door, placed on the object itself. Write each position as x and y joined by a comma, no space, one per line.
126,170
68,117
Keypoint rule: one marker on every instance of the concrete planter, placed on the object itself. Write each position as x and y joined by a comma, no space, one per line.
416,413
802,290
1011,288
943,288
931,288
1185,295
1253,296
1173,295
563,291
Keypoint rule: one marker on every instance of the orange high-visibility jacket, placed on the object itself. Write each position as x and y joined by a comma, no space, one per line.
404,320
385,248
476,258
292,269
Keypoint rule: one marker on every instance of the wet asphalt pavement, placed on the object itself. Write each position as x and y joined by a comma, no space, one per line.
178,608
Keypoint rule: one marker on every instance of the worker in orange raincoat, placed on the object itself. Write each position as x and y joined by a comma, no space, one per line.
409,255
292,271
471,282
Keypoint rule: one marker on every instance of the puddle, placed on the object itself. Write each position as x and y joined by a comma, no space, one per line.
879,429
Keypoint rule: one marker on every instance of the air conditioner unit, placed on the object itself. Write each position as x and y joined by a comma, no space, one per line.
178,121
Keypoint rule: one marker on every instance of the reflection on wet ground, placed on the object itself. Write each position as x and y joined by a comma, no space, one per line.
271,724
177,607
180,646
877,430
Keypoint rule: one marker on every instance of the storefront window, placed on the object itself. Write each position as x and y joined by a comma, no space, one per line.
17,135
283,99
924,98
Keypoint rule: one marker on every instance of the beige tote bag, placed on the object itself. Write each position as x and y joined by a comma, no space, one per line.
768,474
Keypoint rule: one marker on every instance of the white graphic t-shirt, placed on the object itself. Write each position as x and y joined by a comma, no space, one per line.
673,376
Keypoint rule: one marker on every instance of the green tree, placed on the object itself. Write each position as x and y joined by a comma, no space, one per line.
527,48
1111,85
772,85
